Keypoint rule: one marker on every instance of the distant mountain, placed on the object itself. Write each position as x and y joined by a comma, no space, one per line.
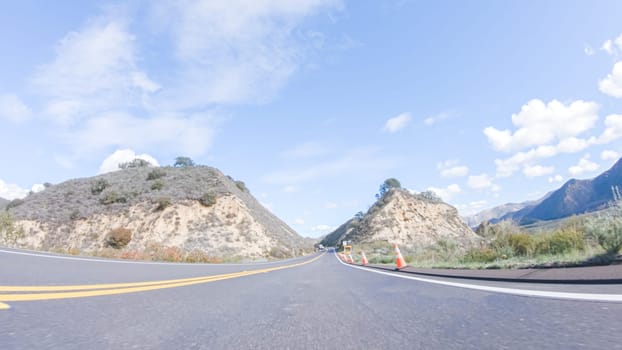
578,196
3,203
573,198
494,213
411,220
192,209
508,211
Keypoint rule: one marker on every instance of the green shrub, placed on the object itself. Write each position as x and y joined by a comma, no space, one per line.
522,244
8,230
112,197
560,242
483,255
136,163
155,174
208,199
118,238
606,229
75,215
98,186
241,186
157,185
163,203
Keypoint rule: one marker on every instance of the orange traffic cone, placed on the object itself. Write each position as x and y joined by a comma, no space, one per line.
350,260
399,259
364,259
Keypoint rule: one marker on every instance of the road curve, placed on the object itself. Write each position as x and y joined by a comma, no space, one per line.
320,304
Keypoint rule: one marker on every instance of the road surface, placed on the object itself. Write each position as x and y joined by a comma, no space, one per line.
315,302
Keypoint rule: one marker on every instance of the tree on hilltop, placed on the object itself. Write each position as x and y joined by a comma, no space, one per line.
387,185
183,162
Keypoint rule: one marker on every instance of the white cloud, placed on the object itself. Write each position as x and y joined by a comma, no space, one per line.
37,188
11,191
613,129
330,205
397,123
299,221
482,182
436,118
537,170
306,150
540,124
612,84
94,70
612,47
446,193
589,51
190,135
13,109
607,46
609,155
322,228
111,163
584,166
451,168
556,178
290,189
235,51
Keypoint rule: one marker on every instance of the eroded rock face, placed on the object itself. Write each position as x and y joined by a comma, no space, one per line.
70,216
409,220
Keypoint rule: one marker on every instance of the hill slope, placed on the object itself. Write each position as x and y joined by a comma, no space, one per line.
3,203
413,221
194,208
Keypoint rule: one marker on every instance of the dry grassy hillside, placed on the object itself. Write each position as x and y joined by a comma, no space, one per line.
189,209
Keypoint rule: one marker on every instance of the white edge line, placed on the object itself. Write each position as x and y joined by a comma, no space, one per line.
63,257
522,292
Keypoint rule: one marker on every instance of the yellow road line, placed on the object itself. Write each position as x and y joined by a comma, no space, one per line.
80,292
4,306
61,288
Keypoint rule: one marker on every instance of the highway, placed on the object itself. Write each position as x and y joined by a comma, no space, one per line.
314,302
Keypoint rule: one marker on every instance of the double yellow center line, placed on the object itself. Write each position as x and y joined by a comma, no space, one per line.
31,293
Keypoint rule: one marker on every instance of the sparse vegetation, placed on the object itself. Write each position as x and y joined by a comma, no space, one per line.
112,197
9,232
241,186
75,215
157,185
606,228
155,174
118,238
163,203
136,163
98,186
208,199
14,203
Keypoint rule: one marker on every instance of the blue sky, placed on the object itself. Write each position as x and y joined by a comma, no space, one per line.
314,103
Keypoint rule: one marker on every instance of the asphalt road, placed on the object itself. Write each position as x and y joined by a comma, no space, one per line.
304,304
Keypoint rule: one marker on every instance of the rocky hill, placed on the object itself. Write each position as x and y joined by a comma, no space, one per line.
573,198
3,203
413,221
190,208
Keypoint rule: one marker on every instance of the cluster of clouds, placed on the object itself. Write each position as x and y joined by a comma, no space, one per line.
103,87
543,130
